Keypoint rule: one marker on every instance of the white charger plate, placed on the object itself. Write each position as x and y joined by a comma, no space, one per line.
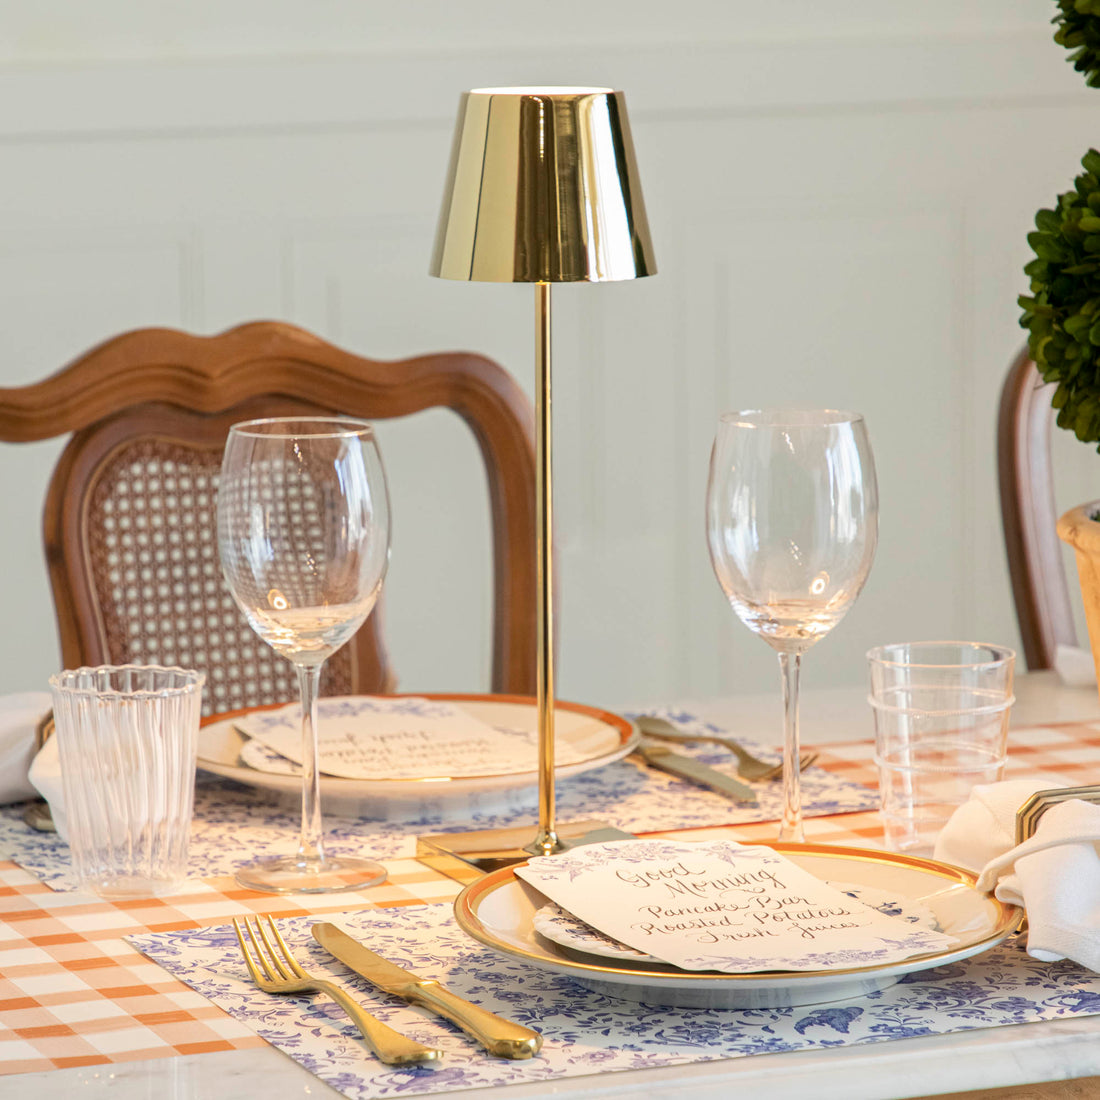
499,910
598,736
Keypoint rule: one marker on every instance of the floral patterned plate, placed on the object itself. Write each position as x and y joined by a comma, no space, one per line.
597,737
554,923
499,910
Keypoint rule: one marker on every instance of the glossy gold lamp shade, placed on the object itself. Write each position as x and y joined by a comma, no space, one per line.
542,188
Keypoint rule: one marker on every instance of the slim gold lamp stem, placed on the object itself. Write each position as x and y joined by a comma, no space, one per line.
542,188
546,840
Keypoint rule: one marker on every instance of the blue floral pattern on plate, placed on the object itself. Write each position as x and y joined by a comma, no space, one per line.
585,1032
624,793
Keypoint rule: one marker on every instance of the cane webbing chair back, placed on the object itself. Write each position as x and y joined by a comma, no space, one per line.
130,527
1029,515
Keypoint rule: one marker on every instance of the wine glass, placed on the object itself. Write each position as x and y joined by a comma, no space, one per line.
304,539
792,522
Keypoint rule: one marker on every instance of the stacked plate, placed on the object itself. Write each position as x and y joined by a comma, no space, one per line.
588,738
510,916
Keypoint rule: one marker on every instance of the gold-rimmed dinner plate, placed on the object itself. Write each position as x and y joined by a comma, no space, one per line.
596,736
498,910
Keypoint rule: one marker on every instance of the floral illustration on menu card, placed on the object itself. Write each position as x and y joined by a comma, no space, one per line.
723,906
366,737
557,925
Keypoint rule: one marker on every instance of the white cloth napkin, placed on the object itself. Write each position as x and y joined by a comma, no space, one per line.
19,715
45,775
1054,875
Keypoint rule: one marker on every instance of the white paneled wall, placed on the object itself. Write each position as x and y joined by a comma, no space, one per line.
839,196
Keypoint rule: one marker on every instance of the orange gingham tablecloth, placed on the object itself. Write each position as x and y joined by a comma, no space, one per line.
74,993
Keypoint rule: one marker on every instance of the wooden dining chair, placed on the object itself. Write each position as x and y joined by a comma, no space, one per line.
130,528
1029,514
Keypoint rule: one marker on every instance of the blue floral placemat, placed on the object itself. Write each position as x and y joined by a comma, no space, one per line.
584,1032
626,794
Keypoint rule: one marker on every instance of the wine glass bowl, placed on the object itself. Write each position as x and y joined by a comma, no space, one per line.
303,535
792,522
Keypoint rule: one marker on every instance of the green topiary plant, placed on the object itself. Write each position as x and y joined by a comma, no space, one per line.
1062,313
1079,31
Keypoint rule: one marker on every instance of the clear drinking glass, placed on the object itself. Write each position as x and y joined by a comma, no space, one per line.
304,538
941,728
127,737
792,522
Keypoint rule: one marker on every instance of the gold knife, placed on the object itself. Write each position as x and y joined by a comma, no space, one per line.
695,771
498,1036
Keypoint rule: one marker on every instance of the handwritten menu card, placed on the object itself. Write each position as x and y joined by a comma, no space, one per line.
722,906
374,737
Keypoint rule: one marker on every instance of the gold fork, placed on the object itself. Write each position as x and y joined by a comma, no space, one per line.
748,766
275,970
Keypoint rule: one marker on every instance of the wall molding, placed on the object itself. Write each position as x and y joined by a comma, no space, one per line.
69,101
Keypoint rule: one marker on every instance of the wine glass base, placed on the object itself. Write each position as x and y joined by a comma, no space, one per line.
792,834
291,875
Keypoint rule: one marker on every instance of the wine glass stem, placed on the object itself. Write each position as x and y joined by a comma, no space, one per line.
790,665
311,845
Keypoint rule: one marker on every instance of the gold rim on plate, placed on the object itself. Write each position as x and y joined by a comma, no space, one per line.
622,736
497,910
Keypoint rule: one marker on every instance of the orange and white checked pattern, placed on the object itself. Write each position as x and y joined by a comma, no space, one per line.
1069,751
74,993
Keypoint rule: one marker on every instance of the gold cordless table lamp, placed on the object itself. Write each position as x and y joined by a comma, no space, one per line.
542,189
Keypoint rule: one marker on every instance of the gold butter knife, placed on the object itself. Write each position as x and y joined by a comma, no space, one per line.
497,1035
695,771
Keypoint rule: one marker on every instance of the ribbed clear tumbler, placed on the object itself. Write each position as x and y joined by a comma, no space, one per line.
127,738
